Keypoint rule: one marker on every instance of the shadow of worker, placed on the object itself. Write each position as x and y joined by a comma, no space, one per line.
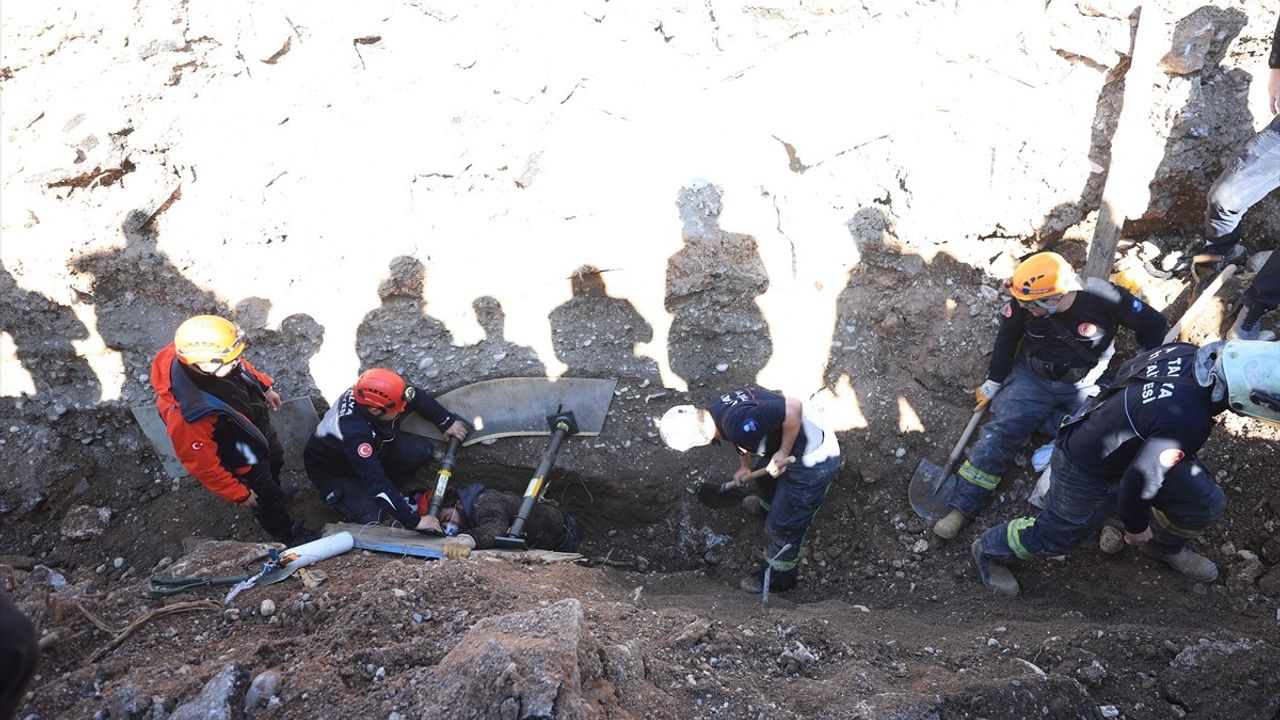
596,335
285,354
140,298
718,336
495,356
42,331
399,334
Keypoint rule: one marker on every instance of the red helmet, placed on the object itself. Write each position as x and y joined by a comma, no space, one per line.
382,389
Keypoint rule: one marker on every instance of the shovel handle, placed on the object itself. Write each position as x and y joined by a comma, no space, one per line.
964,440
758,472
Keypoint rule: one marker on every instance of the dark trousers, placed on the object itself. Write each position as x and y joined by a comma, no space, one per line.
18,656
793,499
1077,504
354,498
264,481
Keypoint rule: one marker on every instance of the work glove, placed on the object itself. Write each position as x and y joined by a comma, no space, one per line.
456,548
986,391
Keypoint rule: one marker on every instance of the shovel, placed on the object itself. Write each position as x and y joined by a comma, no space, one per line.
728,494
931,486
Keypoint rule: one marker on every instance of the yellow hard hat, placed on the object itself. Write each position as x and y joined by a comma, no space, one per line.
208,339
1043,275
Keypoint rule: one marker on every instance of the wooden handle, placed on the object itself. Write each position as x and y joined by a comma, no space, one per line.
758,472
964,440
1198,304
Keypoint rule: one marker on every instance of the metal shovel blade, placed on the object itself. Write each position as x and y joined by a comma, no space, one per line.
929,492
720,495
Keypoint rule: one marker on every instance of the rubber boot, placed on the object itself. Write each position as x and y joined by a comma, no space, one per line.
1190,565
950,526
994,575
1248,325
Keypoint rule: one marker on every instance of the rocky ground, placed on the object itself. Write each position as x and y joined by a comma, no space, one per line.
812,248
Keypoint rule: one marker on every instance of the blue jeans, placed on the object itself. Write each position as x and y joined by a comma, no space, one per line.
1248,177
793,500
1026,402
1077,504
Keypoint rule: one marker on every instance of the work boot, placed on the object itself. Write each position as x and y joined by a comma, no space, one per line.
948,527
1190,565
1248,326
994,575
300,534
753,508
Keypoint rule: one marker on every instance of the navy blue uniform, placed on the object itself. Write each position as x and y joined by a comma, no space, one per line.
1134,449
752,420
354,459
1061,362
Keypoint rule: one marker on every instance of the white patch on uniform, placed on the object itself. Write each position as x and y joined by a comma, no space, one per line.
365,450
250,457
1171,457
1087,330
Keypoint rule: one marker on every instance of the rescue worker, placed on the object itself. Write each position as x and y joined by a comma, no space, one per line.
767,428
1067,331
1133,450
475,516
1250,175
358,455
19,656
216,409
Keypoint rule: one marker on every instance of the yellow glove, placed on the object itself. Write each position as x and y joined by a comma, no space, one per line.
986,391
456,548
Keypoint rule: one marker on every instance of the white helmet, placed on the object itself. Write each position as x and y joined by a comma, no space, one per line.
684,426
1252,371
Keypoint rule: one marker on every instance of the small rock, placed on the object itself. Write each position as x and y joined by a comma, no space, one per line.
118,563
1109,711
722,367
267,609
921,547
900,452
264,687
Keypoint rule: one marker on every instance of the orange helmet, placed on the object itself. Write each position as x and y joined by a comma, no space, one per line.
1043,275
209,343
383,389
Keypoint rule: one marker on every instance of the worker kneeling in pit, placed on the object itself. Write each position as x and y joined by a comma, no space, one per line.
1067,329
1133,449
473,517
767,428
357,455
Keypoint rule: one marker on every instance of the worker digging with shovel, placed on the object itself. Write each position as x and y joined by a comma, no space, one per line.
769,431
1067,330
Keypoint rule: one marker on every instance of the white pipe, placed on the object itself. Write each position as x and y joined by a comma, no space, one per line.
317,550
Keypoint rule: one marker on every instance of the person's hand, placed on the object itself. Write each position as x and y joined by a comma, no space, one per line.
428,523
457,429
456,548
986,391
1140,539
249,502
740,474
273,400
777,464
1273,90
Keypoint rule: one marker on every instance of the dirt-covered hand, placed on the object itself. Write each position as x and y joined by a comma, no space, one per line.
249,502
428,522
273,400
778,464
459,547
456,429
1141,538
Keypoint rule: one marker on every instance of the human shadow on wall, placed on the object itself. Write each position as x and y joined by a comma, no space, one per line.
495,356
42,331
400,335
140,298
718,337
285,354
596,335
911,342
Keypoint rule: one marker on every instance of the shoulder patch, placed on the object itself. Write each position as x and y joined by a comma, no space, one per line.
1136,306
1086,329
1008,310
750,426
365,450
197,445
1171,457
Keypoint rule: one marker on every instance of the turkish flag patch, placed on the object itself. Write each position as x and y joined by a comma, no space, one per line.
1087,330
365,450
197,446
1171,457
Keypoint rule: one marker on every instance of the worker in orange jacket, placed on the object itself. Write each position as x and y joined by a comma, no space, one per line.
216,409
